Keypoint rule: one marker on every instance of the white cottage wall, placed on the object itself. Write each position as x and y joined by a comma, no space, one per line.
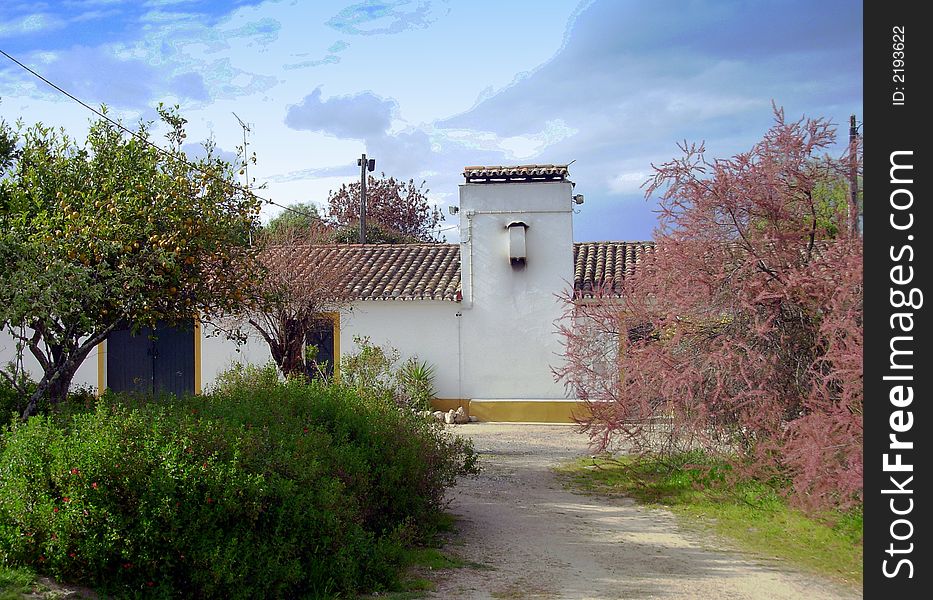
423,328
497,347
427,329
218,353
86,375
509,311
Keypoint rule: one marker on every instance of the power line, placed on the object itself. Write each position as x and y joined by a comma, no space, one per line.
148,142
442,229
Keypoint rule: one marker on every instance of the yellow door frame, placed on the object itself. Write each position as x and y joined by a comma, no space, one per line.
101,368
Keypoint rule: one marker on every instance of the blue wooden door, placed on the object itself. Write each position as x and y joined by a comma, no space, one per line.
129,361
152,360
173,359
321,336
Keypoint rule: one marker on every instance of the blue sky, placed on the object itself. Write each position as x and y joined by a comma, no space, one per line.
429,86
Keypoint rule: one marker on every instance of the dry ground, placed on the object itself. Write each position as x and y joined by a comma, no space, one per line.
539,540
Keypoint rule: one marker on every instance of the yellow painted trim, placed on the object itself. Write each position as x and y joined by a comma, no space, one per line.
446,404
101,368
527,411
197,355
335,319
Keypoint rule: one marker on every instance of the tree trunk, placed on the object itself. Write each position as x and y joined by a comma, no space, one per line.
56,381
293,360
286,346
293,357
54,387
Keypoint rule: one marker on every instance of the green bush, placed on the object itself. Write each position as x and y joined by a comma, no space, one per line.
372,370
285,490
12,401
248,376
416,384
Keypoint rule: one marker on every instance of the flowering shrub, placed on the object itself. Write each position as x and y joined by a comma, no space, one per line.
285,490
742,333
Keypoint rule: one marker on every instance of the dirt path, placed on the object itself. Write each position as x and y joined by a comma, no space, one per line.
541,541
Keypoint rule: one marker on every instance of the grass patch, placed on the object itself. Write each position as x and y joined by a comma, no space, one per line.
16,583
423,561
751,514
432,558
420,562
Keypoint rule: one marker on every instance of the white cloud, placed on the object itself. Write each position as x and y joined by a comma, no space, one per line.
526,146
373,17
162,17
629,182
30,24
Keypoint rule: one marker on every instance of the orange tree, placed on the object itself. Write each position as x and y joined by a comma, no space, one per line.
109,232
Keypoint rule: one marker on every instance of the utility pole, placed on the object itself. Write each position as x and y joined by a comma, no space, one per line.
365,165
853,177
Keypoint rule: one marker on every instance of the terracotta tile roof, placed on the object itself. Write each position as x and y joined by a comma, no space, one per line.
496,174
385,271
432,271
607,264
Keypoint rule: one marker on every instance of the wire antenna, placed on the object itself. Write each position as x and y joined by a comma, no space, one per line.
246,130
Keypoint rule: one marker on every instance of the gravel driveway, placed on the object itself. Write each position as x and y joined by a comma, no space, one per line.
541,541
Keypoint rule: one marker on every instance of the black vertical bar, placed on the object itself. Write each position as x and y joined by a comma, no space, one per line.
897,384
363,164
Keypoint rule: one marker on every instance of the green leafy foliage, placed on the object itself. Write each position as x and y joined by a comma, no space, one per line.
248,376
372,370
15,584
416,383
299,217
12,397
13,401
274,490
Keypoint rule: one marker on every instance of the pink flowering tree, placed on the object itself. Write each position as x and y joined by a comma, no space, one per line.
741,334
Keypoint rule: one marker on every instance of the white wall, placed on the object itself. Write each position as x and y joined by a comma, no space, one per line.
427,329
509,313
423,328
219,353
86,376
